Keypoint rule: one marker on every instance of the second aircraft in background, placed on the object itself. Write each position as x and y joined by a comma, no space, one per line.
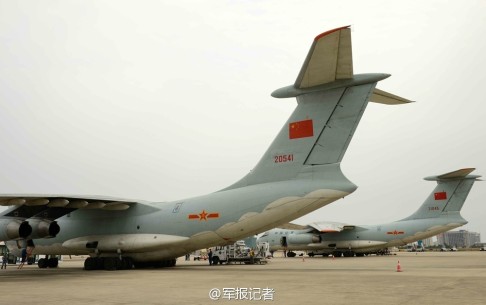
439,213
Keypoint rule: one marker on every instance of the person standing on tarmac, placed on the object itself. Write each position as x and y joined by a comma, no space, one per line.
210,257
24,258
4,261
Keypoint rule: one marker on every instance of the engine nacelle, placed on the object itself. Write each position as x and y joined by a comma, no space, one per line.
14,229
42,228
303,239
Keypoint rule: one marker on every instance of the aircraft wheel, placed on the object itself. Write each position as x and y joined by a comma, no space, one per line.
138,265
90,263
158,264
126,263
42,263
348,254
337,253
110,263
172,262
53,262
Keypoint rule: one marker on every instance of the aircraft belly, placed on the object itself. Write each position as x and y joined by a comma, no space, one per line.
277,212
358,244
126,243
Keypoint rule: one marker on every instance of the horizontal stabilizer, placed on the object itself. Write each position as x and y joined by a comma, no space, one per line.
458,174
383,97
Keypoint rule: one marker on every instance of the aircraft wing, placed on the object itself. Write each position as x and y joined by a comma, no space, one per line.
320,226
34,216
292,226
330,227
26,206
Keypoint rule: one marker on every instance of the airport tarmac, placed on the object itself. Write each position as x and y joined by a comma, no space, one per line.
426,278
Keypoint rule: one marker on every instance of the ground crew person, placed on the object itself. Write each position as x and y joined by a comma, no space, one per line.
4,261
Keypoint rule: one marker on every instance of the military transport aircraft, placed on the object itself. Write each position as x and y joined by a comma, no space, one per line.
299,173
439,213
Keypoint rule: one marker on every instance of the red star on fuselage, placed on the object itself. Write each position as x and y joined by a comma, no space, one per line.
203,215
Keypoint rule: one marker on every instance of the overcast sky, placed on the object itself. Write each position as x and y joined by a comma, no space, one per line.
164,100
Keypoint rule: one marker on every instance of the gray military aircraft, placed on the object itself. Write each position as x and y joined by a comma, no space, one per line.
299,173
439,213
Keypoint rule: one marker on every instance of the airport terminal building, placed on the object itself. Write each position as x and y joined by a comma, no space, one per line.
459,239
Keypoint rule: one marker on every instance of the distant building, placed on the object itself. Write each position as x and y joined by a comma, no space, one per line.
429,242
459,239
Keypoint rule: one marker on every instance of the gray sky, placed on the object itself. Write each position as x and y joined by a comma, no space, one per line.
163,100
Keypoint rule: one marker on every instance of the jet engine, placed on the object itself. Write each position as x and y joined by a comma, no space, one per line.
303,239
42,228
14,229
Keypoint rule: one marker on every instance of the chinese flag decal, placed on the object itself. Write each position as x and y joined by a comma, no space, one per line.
301,129
440,196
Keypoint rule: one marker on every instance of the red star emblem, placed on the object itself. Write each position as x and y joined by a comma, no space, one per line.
203,215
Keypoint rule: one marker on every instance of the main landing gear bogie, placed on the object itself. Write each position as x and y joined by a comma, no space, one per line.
52,262
124,263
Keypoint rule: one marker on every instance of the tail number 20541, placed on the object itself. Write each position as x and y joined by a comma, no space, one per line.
283,158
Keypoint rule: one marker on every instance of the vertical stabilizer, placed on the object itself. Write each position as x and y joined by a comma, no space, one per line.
448,196
330,103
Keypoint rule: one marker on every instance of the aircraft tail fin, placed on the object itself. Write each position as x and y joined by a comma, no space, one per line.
330,103
448,196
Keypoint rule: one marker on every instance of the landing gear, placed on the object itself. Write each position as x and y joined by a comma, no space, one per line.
108,263
93,263
48,262
348,253
123,263
337,253
291,254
